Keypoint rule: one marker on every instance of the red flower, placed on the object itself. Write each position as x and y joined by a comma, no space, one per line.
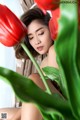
48,4
12,30
53,23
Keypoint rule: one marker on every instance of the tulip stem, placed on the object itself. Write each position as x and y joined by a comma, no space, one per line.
37,66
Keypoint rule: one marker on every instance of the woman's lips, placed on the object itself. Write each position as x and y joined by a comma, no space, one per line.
40,48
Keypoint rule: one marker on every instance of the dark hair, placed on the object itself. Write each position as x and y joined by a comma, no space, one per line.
27,18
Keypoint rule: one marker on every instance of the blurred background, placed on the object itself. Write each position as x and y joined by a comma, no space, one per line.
7,59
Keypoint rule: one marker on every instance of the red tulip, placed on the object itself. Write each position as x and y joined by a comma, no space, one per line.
79,13
53,23
12,30
48,4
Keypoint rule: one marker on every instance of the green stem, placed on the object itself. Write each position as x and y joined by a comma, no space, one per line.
37,66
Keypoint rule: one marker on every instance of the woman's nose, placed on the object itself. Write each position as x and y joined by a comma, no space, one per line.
37,41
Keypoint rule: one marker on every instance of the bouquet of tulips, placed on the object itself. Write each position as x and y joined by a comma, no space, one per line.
65,31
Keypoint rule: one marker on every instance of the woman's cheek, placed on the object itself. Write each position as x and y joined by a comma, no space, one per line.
32,44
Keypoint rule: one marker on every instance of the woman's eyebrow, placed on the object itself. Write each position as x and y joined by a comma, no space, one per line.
39,29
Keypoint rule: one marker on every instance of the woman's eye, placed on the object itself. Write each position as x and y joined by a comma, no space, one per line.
41,33
30,38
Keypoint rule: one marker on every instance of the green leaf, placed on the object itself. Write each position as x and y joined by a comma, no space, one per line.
46,78
51,72
78,53
54,75
68,56
27,91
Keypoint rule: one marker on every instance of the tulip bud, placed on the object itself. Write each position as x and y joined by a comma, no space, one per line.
12,30
53,23
48,4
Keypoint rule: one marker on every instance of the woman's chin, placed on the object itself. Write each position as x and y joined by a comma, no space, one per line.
42,52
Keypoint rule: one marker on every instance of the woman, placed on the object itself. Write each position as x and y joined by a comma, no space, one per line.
39,41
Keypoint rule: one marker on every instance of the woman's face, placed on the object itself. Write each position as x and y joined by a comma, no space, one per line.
39,36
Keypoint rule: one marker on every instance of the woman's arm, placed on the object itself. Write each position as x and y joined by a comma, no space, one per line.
17,115
30,112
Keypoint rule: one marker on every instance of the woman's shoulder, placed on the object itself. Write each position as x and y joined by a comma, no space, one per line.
51,52
52,57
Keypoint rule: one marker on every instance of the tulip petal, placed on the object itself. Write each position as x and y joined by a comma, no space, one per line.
12,30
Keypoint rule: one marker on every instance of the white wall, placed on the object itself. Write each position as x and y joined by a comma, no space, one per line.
7,59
